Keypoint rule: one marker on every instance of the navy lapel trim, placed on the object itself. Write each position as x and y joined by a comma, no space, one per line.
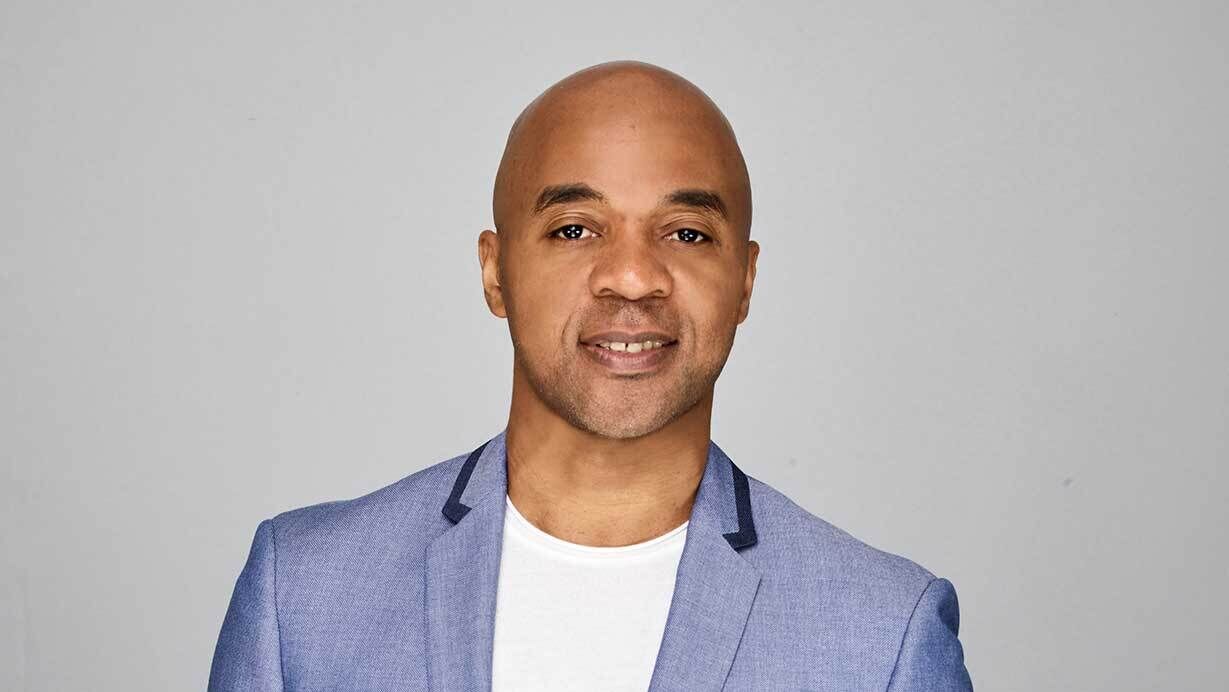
745,536
454,509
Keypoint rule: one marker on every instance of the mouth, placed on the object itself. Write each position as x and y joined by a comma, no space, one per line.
631,357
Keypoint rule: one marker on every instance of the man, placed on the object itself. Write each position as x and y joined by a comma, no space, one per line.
601,541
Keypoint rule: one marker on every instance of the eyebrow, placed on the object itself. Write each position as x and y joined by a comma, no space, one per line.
697,199
566,193
706,200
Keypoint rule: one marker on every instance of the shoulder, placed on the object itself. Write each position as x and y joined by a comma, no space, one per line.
809,553
846,610
407,509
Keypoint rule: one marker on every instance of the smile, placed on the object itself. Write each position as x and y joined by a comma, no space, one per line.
636,357
633,347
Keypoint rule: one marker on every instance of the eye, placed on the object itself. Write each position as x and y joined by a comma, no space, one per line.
689,236
572,231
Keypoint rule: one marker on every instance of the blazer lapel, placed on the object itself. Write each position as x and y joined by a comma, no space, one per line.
714,586
462,574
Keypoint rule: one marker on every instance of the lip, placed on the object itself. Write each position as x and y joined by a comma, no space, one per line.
626,337
627,363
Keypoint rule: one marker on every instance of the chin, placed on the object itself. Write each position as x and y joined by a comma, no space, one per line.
610,425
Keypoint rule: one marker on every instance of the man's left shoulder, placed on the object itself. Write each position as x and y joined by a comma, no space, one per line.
805,551
846,614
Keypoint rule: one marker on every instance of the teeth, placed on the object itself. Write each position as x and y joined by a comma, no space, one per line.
634,347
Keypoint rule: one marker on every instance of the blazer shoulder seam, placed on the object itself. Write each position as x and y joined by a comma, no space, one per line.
277,616
905,635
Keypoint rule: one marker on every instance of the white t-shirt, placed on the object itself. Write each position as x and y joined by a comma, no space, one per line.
576,617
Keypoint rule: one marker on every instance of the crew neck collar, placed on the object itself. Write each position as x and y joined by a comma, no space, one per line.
541,536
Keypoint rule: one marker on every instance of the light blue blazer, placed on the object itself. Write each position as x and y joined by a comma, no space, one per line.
395,590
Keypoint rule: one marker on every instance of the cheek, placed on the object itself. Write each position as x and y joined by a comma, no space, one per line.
711,301
541,312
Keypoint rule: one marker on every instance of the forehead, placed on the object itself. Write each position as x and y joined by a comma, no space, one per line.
632,159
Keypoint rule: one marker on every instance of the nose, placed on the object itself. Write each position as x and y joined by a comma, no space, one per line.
629,266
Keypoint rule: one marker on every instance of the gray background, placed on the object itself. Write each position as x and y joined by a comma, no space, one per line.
238,274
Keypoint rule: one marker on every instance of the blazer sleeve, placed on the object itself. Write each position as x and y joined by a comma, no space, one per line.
248,656
931,658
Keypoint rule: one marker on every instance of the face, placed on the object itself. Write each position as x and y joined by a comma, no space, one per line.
631,223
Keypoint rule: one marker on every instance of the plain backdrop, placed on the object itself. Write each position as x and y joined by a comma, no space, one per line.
238,275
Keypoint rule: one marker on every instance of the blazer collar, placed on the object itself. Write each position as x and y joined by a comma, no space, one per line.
714,587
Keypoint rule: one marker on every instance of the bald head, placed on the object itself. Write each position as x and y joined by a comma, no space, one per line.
603,110
622,208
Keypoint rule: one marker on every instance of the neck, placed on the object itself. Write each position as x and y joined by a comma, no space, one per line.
599,491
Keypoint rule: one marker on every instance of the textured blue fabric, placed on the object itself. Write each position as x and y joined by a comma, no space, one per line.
396,590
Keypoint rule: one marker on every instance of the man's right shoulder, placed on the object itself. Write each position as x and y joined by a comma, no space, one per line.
404,510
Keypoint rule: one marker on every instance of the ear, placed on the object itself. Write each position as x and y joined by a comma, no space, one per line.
488,259
753,253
